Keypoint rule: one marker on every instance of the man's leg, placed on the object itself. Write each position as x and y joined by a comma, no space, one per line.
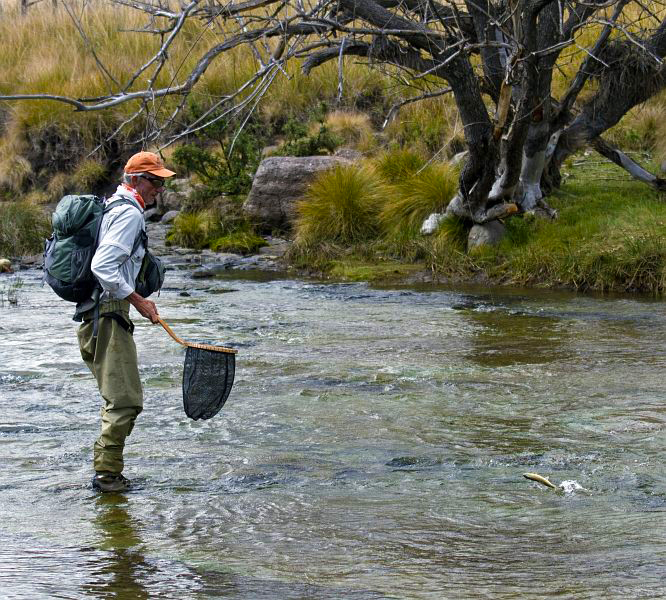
112,359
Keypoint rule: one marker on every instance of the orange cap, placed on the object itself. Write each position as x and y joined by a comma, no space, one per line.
147,162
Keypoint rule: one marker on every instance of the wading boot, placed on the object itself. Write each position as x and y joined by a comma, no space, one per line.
110,482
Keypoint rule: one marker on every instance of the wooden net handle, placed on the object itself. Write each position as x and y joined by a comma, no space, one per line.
192,344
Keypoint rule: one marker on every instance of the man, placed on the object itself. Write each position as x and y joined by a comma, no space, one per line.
105,337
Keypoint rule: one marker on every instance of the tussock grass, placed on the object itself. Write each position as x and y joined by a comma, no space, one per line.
88,175
427,191
193,230
23,228
430,126
352,128
398,163
57,186
341,206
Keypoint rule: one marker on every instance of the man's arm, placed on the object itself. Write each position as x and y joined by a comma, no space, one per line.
114,249
145,307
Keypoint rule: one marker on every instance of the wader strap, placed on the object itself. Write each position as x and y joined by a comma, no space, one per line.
118,318
96,321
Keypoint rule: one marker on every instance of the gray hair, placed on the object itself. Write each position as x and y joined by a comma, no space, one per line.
127,177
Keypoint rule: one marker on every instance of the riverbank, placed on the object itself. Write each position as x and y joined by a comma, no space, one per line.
609,235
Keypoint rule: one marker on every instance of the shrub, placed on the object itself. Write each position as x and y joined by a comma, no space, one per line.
299,142
221,227
23,228
342,206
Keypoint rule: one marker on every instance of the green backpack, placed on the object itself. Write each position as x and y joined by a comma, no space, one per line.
68,253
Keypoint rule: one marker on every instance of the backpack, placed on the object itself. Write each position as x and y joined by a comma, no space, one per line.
151,274
69,251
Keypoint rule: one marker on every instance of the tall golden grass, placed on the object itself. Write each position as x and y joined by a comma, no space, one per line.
43,52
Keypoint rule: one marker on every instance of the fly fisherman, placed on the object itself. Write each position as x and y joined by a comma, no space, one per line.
105,336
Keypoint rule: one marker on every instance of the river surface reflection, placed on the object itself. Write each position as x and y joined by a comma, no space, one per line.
372,447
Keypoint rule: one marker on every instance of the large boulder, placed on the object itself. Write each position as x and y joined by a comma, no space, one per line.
279,182
171,200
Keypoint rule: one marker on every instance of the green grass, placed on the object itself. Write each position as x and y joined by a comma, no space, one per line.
610,235
238,242
23,228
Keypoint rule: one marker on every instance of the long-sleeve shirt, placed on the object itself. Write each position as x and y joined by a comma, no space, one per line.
112,264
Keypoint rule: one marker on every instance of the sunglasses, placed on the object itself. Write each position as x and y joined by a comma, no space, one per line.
155,181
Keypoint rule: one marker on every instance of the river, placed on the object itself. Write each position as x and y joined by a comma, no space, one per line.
373,446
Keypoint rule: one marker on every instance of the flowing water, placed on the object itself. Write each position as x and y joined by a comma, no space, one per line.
373,446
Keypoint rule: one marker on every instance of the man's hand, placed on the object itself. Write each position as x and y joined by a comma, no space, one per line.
145,307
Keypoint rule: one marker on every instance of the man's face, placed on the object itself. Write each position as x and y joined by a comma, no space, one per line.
148,186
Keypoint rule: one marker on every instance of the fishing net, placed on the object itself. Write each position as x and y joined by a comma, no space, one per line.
207,379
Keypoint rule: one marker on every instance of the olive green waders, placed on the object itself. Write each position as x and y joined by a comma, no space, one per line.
112,359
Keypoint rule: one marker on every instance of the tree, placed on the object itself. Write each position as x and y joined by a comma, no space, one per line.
497,58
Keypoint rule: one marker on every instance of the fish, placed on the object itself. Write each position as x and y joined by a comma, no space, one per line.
539,479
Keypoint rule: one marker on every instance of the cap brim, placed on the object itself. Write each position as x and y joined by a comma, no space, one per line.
161,172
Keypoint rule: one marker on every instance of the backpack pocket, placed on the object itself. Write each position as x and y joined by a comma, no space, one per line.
80,260
150,277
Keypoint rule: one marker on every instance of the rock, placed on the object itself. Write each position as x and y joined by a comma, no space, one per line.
542,213
5,266
224,263
31,260
181,185
152,215
487,234
170,216
276,247
663,166
431,223
279,182
171,200
348,153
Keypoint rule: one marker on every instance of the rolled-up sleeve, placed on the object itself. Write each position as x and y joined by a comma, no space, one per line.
114,249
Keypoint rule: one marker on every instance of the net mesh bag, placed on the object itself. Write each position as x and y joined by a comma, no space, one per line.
207,380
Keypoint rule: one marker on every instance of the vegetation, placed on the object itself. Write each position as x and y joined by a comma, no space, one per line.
355,221
23,228
221,227
606,238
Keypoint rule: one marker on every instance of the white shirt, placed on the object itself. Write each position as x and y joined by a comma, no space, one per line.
112,264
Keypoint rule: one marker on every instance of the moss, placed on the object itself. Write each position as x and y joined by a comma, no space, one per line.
239,242
351,270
